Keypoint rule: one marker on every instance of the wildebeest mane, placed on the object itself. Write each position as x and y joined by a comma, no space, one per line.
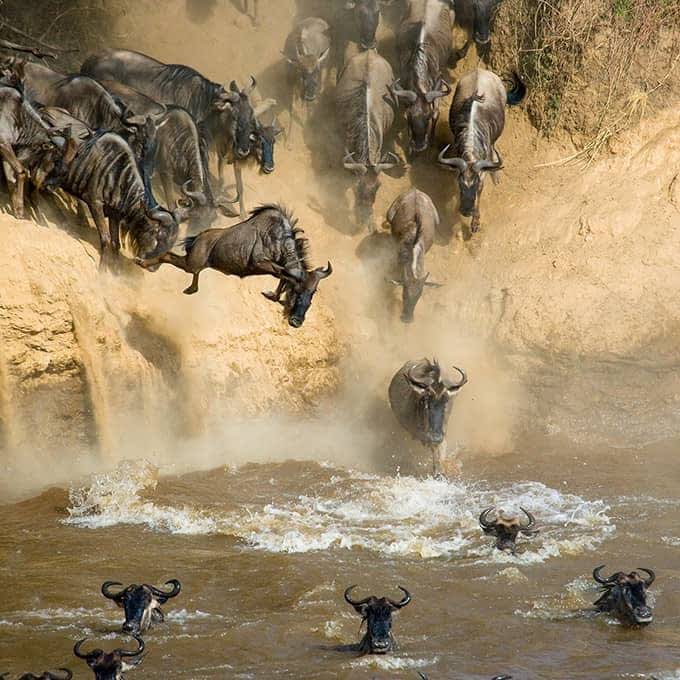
357,124
295,246
102,111
187,88
473,142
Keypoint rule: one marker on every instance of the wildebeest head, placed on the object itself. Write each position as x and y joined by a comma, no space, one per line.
422,113
141,603
470,178
49,160
625,595
435,395
412,290
298,289
110,665
366,18
377,613
367,187
483,13
266,137
308,67
64,674
507,526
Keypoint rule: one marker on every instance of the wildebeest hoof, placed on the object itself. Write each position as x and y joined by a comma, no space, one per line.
270,295
190,290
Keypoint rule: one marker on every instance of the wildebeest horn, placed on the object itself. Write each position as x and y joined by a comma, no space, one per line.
443,91
106,589
408,95
412,379
464,379
484,518
350,164
354,603
162,216
601,579
324,272
176,588
650,574
481,166
247,90
197,196
124,652
404,600
457,163
530,517
380,167
78,653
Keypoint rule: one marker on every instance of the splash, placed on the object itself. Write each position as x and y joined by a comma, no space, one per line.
344,510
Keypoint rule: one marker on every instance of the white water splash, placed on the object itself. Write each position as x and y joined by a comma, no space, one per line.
419,518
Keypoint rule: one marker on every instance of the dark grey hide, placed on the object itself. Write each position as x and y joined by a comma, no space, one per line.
110,665
625,596
268,243
477,16
421,399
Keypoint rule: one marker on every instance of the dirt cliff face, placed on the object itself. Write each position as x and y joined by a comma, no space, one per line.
563,308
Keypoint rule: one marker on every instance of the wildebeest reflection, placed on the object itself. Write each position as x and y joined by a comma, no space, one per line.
421,398
625,596
110,665
141,603
377,612
506,527
268,243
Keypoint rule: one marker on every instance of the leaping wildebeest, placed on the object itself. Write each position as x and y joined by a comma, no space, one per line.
421,399
110,665
366,107
413,220
424,42
268,243
625,595
477,119
141,603
506,526
377,613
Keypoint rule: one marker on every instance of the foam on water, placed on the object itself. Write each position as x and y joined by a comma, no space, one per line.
418,518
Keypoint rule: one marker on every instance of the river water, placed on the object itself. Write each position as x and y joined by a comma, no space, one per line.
264,552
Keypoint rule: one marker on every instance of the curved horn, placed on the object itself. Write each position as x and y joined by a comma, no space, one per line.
481,166
443,90
412,379
77,652
650,574
484,518
162,216
53,676
176,588
140,642
601,579
350,164
325,272
457,163
409,95
197,196
404,600
354,603
531,518
247,90
106,592
380,167
463,376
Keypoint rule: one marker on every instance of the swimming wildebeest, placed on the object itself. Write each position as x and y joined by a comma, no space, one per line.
506,527
110,665
377,613
30,149
413,220
424,42
476,16
477,119
227,121
421,399
625,596
64,674
141,603
104,174
268,243
366,107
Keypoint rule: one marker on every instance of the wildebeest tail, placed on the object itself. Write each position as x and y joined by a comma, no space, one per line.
187,243
517,90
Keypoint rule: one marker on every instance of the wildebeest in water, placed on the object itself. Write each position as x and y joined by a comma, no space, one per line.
506,526
421,397
110,665
64,674
268,243
625,595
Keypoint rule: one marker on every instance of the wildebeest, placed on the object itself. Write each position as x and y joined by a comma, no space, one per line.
65,674
413,220
306,50
268,243
424,42
506,527
377,613
110,665
421,399
366,108
29,148
476,16
366,19
625,595
104,174
141,603
477,119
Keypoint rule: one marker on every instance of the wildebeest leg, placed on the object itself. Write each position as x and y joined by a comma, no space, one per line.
179,261
474,225
238,174
16,178
114,230
275,296
102,224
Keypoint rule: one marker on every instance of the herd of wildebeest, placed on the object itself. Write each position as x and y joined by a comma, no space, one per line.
128,124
